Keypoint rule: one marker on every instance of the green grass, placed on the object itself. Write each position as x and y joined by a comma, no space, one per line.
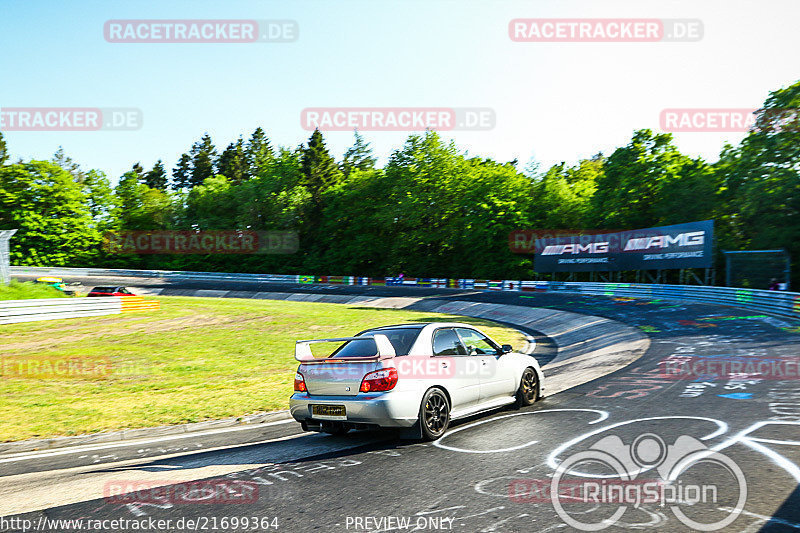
195,359
28,290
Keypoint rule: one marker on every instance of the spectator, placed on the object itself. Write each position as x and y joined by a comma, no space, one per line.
773,285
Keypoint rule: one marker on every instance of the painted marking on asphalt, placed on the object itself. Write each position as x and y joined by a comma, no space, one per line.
722,427
438,442
765,518
26,456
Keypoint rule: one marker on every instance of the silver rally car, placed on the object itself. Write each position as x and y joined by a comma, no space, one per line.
417,377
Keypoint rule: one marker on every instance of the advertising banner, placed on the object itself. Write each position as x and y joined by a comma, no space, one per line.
667,247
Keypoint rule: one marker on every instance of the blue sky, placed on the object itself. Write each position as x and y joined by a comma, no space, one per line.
555,101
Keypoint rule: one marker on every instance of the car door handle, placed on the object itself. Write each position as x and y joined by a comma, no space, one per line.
444,365
483,362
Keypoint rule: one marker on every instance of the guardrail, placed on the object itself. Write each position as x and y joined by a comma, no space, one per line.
14,311
771,302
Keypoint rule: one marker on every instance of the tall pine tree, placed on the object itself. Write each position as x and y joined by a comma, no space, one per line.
138,171
204,156
358,156
157,177
258,152
182,173
3,150
319,169
232,162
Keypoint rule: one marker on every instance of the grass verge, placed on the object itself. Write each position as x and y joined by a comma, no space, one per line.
28,290
195,359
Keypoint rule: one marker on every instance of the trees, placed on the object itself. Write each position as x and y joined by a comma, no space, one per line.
233,162
3,150
642,183
52,213
182,173
759,181
156,178
258,153
204,157
358,156
431,210
139,207
318,167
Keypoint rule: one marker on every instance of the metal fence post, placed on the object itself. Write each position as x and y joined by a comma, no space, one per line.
5,255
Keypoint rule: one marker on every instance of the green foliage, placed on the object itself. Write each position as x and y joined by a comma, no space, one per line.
204,156
157,177
233,162
28,290
358,156
3,150
759,181
51,211
650,182
318,167
430,211
182,173
258,153
141,208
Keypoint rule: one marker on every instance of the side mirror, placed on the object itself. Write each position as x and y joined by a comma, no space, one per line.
506,348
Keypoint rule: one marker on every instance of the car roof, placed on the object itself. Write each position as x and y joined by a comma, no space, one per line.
400,326
423,325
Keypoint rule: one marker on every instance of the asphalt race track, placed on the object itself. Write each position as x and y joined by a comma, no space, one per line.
491,473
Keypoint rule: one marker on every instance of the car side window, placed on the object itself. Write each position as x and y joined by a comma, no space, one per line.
477,343
446,342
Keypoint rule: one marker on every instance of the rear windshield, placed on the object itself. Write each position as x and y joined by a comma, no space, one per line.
401,338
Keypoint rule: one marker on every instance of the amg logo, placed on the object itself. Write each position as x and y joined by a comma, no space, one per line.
591,248
665,241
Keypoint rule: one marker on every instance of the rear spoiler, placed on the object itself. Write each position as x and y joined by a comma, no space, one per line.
302,350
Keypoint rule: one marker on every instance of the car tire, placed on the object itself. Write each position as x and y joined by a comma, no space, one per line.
528,391
434,414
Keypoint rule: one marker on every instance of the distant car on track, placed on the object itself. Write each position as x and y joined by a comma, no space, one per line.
56,283
414,376
110,291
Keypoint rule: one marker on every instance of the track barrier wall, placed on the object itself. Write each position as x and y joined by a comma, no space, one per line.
771,302
14,311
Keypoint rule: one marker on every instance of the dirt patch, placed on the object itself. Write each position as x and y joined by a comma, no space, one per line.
129,326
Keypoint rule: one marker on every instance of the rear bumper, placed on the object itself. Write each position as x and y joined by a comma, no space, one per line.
394,409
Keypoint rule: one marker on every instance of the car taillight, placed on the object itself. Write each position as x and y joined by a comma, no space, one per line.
299,382
380,380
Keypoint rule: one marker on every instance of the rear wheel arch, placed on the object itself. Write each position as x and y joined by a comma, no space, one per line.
444,391
436,417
